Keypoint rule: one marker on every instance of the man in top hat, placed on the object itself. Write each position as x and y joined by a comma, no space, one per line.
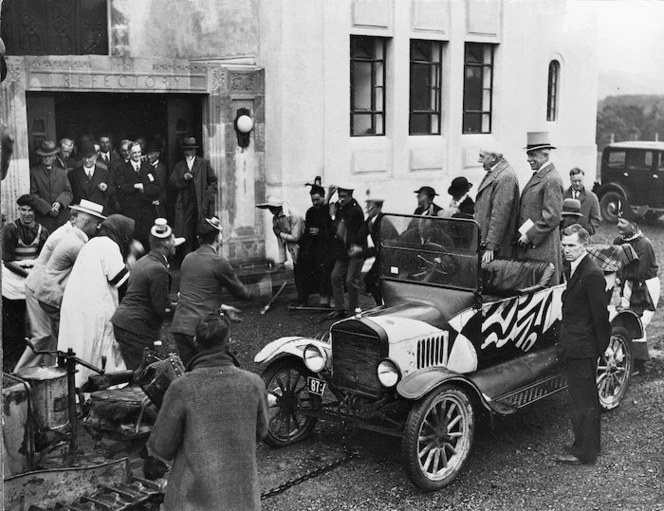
288,227
137,320
50,186
639,283
571,214
153,153
203,276
589,202
22,241
138,187
496,206
541,205
90,181
46,284
425,204
350,243
461,206
195,184
63,158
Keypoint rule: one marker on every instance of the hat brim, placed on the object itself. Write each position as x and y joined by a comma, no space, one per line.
39,152
570,213
88,211
453,191
537,147
267,205
178,241
219,227
425,191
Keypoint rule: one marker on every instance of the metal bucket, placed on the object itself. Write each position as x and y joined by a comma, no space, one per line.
49,395
17,455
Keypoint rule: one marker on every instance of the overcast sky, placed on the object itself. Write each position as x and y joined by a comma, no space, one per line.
631,46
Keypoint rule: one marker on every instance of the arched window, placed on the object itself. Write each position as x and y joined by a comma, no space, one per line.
553,91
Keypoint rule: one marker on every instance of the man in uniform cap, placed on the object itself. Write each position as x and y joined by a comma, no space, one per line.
540,210
639,283
50,186
137,320
350,243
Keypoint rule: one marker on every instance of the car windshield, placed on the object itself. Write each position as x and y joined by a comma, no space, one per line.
432,250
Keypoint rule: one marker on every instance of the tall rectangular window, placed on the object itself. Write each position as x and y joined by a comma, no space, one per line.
552,91
478,88
425,81
367,85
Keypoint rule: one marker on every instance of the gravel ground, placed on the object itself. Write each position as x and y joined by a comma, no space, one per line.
511,465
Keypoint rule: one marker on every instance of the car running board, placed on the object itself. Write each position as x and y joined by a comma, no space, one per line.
512,401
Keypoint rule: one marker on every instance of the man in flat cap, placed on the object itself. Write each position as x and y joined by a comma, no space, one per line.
50,186
350,243
541,206
639,283
22,241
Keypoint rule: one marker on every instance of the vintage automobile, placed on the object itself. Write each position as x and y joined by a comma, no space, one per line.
453,340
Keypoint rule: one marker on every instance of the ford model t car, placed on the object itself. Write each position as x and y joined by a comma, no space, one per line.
454,338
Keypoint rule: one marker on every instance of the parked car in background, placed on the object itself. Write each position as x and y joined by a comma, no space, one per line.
631,171
454,340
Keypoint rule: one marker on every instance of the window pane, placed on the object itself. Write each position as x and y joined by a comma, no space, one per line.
486,123
616,159
419,87
362,86
362,124
367,68
478,88
378,123
419,124
472,123
552,91
473,88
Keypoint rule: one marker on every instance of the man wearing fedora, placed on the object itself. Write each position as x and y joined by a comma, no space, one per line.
461,206
137,320
571,214
90,181
46,284
540,211
639,283
50,186
288,227
153,152
589,202
496,206
195,184
425,204
138,187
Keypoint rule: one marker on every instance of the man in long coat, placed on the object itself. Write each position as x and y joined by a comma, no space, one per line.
497,206
590,215
196,186
90,181
209,423
541,207
51,189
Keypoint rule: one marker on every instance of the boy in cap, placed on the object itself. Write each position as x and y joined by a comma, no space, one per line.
137,320
639,283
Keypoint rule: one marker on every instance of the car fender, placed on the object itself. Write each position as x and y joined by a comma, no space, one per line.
285,346
611,187
418,384
628,319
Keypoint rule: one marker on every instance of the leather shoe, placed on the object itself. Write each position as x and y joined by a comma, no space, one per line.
570,459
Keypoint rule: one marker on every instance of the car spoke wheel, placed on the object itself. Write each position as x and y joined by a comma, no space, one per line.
438,437
614,369
287,396
608,206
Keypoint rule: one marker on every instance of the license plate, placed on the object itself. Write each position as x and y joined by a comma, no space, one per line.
316,386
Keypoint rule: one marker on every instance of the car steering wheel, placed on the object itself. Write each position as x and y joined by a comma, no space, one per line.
444,265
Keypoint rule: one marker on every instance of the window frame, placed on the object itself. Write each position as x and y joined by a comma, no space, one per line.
484,111
434,89
553,92
375,89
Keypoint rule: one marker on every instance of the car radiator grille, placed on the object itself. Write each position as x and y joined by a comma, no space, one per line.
355,357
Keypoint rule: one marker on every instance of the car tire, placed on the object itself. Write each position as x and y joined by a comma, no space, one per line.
438,437
287,395
614,369
608,206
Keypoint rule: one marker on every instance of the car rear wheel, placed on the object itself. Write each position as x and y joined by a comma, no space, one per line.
287,396
614,369
438,437
608,206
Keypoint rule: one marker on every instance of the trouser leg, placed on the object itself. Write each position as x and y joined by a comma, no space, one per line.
584,400
186,347
338,277
41,334
354,282
372,282
300,276
132,346
13,332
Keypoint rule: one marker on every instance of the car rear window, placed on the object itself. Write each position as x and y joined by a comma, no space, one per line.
638,160
616,160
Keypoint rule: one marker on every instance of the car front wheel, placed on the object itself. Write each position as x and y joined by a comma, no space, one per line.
614,369
608,206
287,397
438,437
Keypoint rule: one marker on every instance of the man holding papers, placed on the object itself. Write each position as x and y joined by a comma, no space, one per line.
541,207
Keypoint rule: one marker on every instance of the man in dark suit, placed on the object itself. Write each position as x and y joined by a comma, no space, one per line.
51,189
497,206
153,154
584,335
138,188
589,201
196,186
376,231
540,211
64,159
90,181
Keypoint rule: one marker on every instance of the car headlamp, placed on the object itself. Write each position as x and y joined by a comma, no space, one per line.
388,373
314,358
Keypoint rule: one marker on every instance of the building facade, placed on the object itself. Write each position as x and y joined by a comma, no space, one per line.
388,95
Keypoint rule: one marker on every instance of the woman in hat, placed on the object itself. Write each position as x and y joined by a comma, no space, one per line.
639,283
22,241
461,206
91,297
